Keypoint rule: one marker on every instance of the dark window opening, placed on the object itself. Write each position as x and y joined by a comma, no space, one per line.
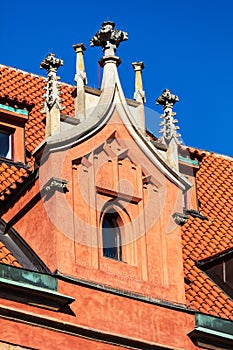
111,237
5,144
221,272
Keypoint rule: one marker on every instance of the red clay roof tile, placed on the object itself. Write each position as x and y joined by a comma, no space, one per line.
6,256
29,88
23,87
10,178
214,189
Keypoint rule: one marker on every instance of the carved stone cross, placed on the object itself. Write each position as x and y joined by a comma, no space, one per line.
51,63
108,38
167,100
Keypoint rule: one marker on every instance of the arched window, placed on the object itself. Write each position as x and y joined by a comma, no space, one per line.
111,236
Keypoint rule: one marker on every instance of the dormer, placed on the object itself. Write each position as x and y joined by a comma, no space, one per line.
219,268
13,118
115,218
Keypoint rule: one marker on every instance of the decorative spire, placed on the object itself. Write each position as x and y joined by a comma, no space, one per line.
81,80
139,94
52,105
51,65
167,101
109,38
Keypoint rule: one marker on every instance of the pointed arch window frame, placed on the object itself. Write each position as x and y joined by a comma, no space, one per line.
128,240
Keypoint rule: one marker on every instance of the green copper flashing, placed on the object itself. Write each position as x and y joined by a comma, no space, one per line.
214,325
27,278
212,332
188,161
31,288
15,110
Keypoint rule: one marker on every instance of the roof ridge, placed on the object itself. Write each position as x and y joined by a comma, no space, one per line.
224,156
10,162
22,71
194,148
32,74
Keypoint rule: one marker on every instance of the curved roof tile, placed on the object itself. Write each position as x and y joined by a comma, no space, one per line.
205,239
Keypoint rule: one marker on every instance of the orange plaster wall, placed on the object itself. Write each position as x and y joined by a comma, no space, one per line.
189,172
39,338
18,151
103,312
158,270
64,229
132,318
34,226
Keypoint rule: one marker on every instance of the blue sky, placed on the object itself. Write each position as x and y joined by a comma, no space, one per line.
186,46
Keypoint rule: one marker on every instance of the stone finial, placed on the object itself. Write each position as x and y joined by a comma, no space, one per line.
139,94
108,38
80,68
169,134
167,101
52,106
51,65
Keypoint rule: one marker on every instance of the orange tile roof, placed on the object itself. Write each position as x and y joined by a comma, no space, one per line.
29,88
23,87
204,239
10,178
6,257
67,99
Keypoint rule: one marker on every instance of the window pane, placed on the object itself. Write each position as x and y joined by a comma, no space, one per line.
5,146
111,238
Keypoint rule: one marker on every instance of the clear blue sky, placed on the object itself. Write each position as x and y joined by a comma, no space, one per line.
187,46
